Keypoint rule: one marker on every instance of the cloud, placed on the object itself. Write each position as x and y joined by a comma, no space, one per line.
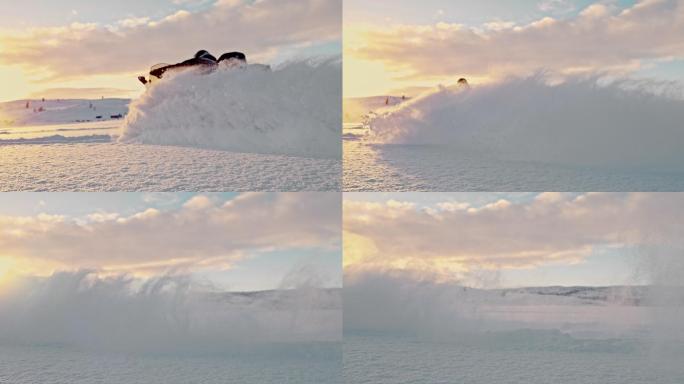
601,38
261,29
454,238
202,234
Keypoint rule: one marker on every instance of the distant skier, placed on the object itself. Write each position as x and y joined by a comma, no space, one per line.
202,59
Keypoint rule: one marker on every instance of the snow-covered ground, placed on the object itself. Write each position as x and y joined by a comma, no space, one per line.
111,166
525,356
393,167
301,363
397,330
237,130
415,332
59,111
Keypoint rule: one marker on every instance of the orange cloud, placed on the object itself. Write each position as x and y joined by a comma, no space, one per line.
454,238
261,29
600,39
203,234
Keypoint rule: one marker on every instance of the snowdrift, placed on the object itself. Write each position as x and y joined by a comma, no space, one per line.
294,109
575,122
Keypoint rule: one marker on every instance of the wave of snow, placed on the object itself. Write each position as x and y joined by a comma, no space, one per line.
575,122
395,302
292,110
164,313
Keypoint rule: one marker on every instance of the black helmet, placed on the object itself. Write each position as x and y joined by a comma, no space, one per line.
202,54
233,55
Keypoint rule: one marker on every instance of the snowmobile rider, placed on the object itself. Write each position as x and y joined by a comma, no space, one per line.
463,83
202,59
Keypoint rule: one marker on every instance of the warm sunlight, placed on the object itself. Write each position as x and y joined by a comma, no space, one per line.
14,84
6,267
362,77
357,248
18,84
366,78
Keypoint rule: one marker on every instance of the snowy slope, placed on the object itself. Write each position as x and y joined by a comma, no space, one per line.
15,113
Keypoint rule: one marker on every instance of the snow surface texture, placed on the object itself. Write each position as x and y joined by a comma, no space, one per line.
373,167
167,314
294,109
304,363
530,357
80,166
576,122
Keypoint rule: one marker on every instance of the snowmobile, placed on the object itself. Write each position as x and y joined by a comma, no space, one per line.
203,60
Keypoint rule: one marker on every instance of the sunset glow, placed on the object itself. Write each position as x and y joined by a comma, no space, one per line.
77,50
393,48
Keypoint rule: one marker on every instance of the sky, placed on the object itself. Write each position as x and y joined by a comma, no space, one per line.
81,46
514,240
238,242
405,46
